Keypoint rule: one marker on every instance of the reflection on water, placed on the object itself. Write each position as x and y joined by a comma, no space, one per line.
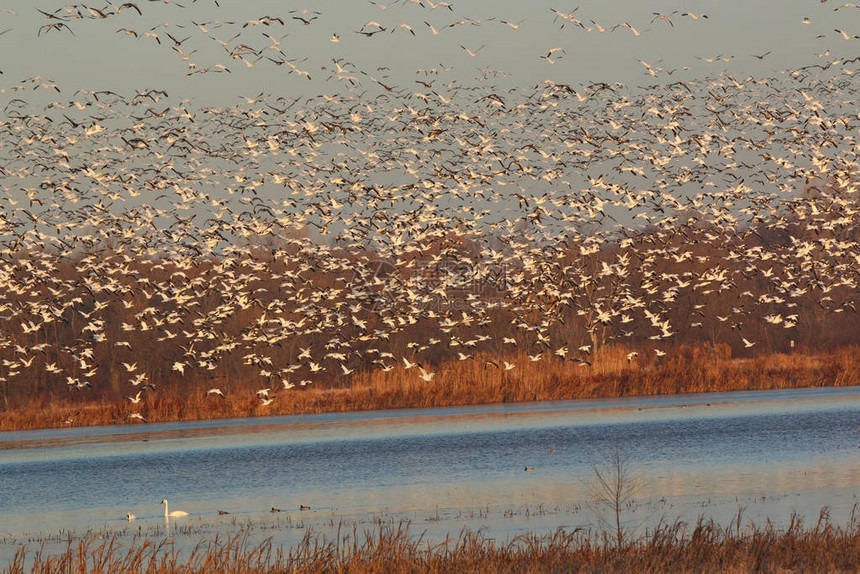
773,453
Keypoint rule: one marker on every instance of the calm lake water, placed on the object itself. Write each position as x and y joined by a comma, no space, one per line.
772,453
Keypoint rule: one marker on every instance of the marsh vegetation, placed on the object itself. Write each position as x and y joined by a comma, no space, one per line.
688,369
678,546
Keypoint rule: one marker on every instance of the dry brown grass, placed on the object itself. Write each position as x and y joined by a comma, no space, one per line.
677,547
684,369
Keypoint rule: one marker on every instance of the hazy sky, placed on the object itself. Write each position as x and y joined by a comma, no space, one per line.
509,37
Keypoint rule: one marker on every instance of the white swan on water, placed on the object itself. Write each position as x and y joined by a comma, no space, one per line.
175,513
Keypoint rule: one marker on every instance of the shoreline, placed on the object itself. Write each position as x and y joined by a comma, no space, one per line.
687,370
395,546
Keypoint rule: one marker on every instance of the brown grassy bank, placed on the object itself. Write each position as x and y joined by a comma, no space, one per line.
678,547
685,369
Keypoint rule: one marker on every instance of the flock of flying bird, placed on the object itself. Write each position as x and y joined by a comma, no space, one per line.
191,38
145,240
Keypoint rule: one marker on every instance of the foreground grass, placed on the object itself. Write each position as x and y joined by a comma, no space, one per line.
678,547
686,369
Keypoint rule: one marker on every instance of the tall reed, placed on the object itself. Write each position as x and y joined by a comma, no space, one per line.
482,379
669,547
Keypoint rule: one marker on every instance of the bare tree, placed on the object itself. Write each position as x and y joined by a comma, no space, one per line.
613,488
